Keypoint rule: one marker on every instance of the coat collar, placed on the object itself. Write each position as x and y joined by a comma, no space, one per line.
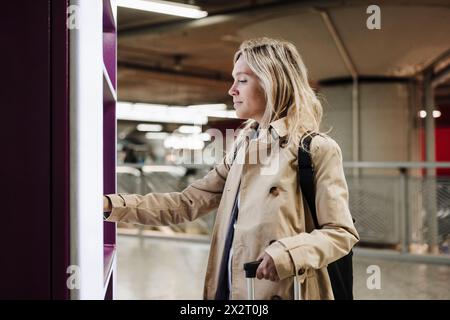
279,127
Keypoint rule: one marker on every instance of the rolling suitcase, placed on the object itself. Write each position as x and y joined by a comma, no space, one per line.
250,273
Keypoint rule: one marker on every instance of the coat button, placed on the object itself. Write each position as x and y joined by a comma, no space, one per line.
274,191
301,271
276,297
283,142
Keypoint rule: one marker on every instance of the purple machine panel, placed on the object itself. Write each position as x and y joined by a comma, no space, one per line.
34,166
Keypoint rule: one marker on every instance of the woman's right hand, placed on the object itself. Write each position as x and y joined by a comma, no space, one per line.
107,206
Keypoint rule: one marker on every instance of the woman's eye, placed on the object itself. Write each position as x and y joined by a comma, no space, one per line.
242,81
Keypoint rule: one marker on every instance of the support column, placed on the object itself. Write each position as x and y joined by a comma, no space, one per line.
430,156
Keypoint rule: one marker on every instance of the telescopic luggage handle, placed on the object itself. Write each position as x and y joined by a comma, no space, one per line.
250,273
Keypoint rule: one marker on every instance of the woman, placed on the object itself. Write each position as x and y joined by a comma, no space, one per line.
262,215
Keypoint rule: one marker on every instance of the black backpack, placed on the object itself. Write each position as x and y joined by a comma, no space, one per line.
341,270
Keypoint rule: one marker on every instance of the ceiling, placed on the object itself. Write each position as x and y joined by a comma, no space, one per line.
171,60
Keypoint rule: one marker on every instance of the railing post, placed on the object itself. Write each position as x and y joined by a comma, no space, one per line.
141,186
430,155
404,214
431,210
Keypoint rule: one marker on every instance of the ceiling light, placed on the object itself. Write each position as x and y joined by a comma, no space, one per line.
158,113
189,129
436,113
208,107
149,127
164,7
222,114
173,114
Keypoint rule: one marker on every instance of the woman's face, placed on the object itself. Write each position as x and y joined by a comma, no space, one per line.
248,95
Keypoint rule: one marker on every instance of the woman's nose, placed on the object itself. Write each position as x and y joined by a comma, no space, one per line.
232,91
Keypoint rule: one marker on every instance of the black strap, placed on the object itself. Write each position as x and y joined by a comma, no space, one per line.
305,176
341,270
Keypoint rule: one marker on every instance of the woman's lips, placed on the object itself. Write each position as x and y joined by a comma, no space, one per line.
237,103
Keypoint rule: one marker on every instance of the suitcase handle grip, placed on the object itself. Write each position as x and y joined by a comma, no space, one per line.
250,268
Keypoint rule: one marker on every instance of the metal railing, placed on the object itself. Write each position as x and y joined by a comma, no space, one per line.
143,179
404,204
394,203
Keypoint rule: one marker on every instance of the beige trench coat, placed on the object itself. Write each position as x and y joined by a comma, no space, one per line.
271,208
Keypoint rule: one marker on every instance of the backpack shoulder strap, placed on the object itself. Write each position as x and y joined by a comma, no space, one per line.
341,270
305,176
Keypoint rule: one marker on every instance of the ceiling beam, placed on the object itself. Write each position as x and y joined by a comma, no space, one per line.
279,7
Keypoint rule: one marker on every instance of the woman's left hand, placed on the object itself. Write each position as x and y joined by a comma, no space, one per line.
267,268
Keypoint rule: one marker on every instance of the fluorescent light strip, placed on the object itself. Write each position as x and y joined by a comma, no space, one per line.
166,114
222,114
164,7
158,113
208,107
189,129
149,127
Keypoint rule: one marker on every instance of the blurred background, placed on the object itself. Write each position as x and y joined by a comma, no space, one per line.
383,75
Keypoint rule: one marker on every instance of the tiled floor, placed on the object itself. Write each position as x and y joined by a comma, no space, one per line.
150,268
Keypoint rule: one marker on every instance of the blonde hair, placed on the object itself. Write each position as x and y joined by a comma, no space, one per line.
284,79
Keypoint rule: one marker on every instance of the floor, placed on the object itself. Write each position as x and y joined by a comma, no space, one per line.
151,268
